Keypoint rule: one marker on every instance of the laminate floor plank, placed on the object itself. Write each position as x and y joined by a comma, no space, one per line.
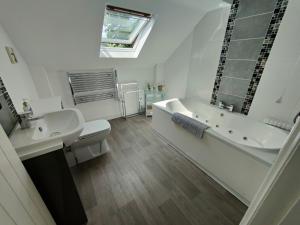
160,174
179,178
133,210
195,215
84,184
145,201
173,214
158,192
211,211
144,181
207,185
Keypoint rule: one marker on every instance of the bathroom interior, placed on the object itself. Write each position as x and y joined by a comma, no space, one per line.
149,112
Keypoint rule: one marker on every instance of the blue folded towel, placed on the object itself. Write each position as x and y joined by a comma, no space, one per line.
194,126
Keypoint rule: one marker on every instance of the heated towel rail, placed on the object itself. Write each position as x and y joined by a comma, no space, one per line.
130,97
93,86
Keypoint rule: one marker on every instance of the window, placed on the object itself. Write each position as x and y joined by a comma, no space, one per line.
124,32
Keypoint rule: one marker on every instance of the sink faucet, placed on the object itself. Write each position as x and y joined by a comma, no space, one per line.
26,118
230,108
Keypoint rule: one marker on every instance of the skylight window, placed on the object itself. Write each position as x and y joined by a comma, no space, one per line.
124,32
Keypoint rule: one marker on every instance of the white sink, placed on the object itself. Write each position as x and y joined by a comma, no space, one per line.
52,129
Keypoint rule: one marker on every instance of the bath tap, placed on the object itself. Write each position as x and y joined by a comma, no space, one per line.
230,108
221,105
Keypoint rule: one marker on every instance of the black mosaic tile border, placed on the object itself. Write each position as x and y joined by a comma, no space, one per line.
8,100
225,47
277,16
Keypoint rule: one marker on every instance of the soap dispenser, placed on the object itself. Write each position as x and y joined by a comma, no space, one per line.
24,117
26,105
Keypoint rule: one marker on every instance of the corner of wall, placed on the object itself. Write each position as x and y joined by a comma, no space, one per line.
41,81
176,69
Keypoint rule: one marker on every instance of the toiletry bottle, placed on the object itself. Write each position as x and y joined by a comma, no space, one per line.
26,105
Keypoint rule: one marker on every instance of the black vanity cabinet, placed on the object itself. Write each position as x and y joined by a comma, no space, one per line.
52,177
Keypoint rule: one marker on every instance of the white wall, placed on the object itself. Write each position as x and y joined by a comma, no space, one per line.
64,34
207,44
159,73
40,78
56,84
192,68
281,77
16,77
176,69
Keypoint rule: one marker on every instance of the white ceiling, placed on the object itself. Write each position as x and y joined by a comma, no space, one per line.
64,34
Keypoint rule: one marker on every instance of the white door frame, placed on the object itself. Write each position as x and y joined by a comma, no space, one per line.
280,190
20,202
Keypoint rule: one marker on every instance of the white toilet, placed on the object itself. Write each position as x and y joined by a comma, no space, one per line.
90,143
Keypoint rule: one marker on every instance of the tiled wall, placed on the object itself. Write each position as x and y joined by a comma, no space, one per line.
251,31
8,113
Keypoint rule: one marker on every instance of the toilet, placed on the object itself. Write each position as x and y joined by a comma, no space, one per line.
91,142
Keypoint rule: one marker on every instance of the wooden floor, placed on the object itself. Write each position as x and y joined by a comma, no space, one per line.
144,181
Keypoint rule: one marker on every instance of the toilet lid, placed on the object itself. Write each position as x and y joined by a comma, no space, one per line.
94,127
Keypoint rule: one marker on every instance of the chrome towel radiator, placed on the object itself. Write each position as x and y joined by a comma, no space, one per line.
93,86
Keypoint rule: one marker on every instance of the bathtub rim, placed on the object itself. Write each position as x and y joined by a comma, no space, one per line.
265,157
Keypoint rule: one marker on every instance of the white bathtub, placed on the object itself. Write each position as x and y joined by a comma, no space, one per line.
236,151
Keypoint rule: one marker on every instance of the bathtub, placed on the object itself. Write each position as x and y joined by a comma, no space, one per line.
236,151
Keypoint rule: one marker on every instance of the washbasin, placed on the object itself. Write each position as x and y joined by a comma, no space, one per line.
66,124
62,126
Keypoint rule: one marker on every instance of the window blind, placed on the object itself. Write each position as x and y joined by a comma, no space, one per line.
93,86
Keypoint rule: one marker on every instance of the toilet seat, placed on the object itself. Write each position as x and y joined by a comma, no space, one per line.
93,131
93,128
90,141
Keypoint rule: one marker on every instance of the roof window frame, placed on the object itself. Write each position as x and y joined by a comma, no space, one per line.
137,43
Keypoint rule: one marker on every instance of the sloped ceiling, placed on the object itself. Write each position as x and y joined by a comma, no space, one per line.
65,34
